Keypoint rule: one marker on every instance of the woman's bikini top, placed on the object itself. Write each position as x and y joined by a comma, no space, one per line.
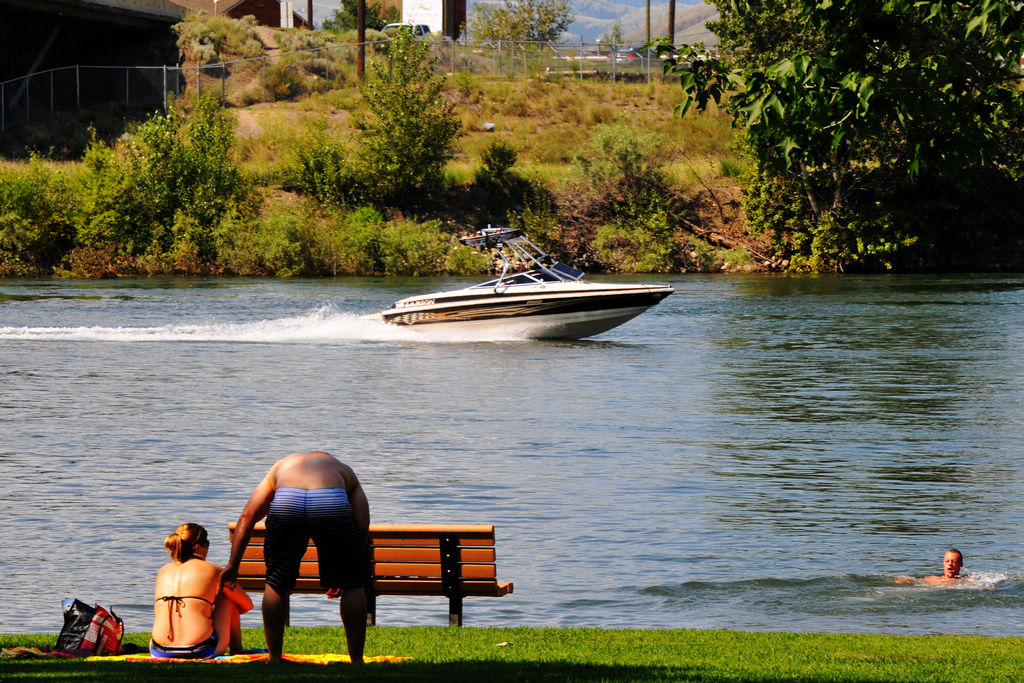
179,601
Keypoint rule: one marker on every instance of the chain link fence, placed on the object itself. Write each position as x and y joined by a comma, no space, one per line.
284,76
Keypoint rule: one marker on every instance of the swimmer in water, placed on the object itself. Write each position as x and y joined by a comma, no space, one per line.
952,563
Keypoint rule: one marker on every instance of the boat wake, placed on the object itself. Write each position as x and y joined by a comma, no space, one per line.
324,325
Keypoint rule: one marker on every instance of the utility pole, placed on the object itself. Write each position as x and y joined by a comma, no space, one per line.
648,21
361,39
309,13
672,22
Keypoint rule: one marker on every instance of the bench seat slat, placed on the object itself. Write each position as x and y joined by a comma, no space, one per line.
427,540
414,587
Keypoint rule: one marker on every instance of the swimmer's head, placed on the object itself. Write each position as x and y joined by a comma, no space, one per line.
952,563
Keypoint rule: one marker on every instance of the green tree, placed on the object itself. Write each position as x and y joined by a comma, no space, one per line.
541,21
166,187
374,17
409,136
613,36
866,109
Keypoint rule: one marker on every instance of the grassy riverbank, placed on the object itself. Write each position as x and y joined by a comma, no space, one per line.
534,654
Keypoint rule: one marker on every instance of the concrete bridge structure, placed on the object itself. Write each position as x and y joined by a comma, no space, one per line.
41,34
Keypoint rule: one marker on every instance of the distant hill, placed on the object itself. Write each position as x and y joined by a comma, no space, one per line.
596,18
690,24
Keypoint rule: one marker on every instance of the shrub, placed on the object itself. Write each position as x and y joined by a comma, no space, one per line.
204,39
36,219
618,160
705,258
171,181
319,168
497,162
283,81
268,246
463,260
640,241
622,170
409,136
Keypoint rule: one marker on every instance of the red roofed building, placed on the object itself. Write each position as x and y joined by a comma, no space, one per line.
267,12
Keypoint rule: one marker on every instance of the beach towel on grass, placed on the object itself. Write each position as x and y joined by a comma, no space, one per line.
25,652
257,657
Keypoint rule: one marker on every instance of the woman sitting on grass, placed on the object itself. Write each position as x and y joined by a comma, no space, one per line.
195,618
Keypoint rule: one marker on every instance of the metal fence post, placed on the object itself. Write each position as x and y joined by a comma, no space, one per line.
51,92
165,88
199,84
78,89
3,107
127,102
223,83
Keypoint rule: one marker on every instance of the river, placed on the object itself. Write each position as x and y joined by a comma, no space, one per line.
756,452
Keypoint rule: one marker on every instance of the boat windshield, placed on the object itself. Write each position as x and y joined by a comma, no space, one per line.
530,277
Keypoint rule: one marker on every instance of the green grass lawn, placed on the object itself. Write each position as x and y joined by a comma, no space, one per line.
541,654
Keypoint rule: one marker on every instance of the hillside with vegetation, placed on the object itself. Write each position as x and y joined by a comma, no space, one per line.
323,181
305,170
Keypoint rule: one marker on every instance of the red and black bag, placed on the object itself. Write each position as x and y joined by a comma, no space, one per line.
89,630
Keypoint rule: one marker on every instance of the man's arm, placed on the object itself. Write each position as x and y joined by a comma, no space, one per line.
255,510
361,507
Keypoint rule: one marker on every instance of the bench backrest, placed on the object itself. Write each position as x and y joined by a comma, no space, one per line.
406,559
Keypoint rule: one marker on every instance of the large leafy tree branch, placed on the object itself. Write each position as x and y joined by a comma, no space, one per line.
829,90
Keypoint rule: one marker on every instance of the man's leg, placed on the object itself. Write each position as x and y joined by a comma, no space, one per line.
275,615
353,617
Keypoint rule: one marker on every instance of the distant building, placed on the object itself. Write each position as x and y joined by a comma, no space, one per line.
267,12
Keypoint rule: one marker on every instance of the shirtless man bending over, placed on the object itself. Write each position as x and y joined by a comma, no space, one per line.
952,563
309,495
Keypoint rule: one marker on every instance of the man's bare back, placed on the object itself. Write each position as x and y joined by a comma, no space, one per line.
316,470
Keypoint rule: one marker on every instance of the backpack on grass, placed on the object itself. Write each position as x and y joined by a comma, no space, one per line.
89,630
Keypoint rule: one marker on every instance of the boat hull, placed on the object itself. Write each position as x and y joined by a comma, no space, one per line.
542,313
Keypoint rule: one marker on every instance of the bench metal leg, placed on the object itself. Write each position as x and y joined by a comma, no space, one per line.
455,610
450,555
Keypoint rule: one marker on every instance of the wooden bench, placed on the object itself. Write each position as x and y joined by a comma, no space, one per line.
450,560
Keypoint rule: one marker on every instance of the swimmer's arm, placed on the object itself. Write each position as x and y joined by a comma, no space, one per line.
904,580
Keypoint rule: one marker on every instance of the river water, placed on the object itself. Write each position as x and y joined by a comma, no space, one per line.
757,452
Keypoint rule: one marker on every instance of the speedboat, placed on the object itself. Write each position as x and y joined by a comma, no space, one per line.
535,297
